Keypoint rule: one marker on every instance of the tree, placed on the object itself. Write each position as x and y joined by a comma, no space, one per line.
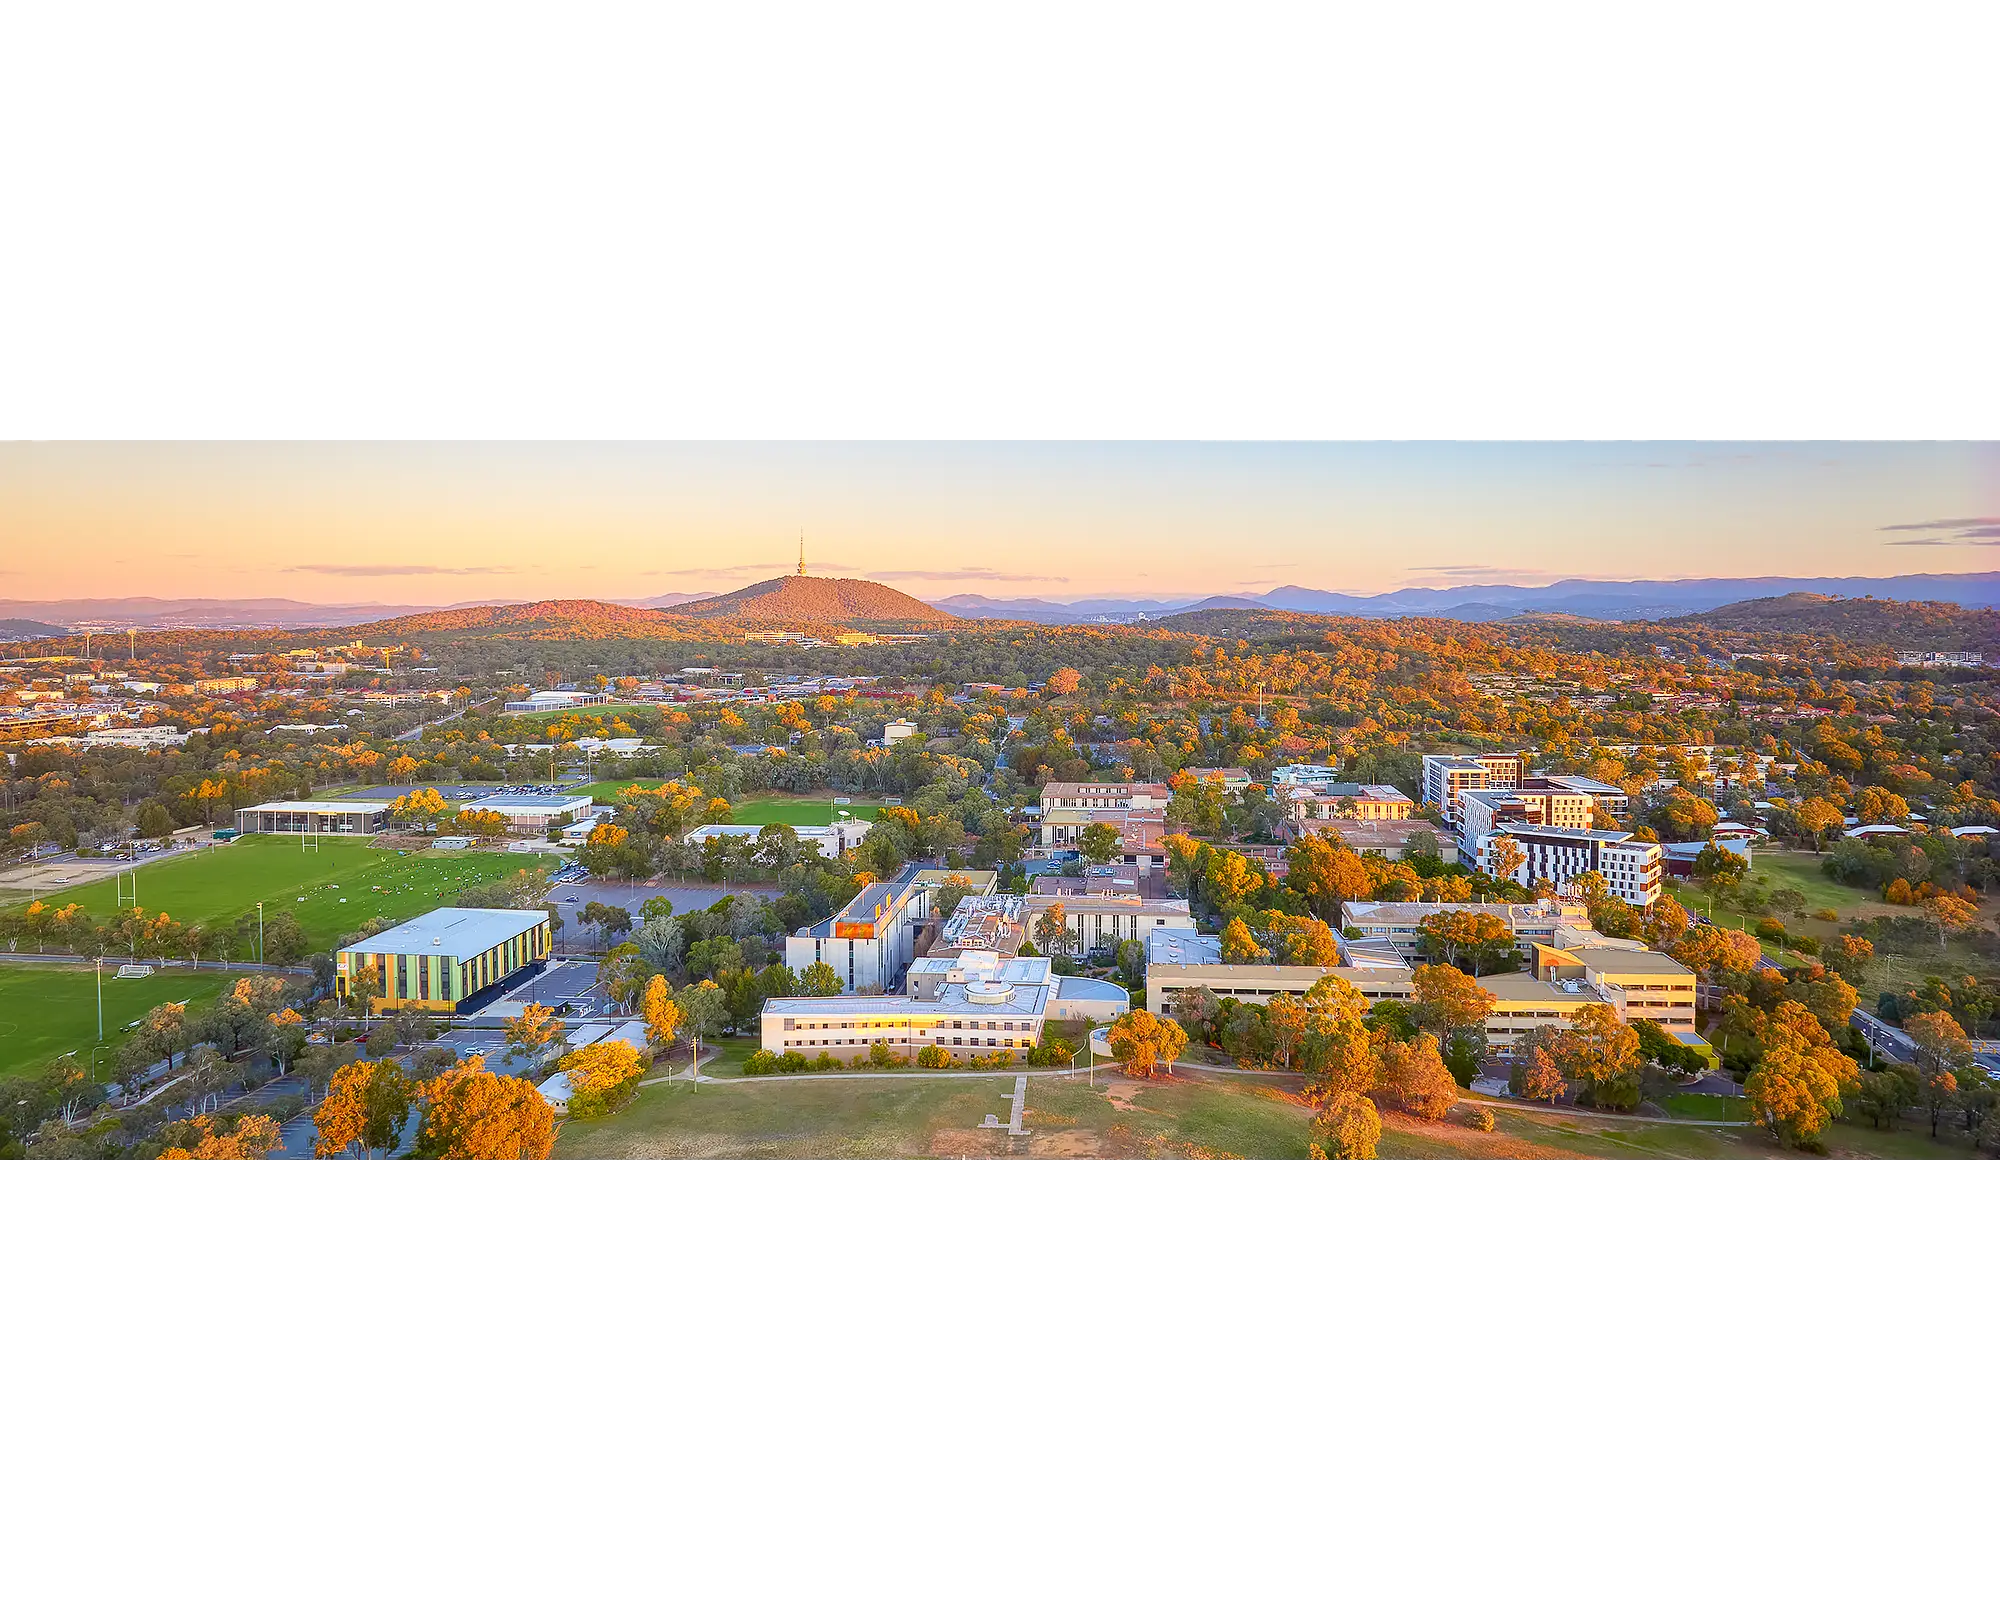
1142,1042
1600,1054
1815,819
1943,1052
1347,1128
285,942
1795,1089
704,1011
533,1031
1537,1077
1239,945
1948,914
1064,680
366,1104
1335,1051
662,1016
1415,1073
949,893
821,980
1717,868
1325,874
1505,859
1098,843
1477,939
1052,929
1302,941
1717,951
1454,1007
251,1139
154,821
470,1114
602,1077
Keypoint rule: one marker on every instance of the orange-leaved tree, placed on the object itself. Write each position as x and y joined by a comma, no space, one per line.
471,1114
662,1016
1143,1043
602,1077
1347,1128
251,1139
367,1104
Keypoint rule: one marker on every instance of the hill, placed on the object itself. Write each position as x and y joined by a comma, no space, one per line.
16,629
797,600
1904,624
540,619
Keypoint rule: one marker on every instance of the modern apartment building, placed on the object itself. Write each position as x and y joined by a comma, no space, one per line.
1632,868
1445,776
1481,811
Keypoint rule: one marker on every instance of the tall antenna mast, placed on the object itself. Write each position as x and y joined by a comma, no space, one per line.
802,555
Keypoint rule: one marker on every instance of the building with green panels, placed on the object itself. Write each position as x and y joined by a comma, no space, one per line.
452,959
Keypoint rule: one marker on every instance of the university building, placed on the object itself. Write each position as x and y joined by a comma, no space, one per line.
453,959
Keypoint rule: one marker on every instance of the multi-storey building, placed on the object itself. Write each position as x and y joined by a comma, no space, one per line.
1632,868
1534,801
1445,776
974,1005
871,939
1398,922
1360,802
1107,796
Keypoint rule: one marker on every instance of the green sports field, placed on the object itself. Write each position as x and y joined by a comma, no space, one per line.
331,890
48,1011
798,810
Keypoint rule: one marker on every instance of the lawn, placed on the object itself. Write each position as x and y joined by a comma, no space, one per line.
331,890
48,1011
798,810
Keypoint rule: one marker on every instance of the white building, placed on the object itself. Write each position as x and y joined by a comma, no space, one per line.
896,732
1445,776
830,840
984,1007
1632,868
871,939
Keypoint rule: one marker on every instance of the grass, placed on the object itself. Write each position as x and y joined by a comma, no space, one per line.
1708,1107
48,1011
1192,1115
331,890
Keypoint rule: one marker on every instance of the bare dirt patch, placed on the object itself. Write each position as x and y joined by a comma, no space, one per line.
954,1144
1070,1144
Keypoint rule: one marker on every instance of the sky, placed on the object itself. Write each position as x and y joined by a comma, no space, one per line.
423,523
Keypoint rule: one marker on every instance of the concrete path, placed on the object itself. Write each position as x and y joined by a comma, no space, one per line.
1014,1127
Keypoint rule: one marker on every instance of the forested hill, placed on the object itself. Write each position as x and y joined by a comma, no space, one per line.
1889,624
804,602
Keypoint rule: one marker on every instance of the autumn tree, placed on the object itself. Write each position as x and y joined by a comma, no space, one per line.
1143,1043
1475,939
1537,1077
1948,914
1815,819
1064,680
1454,1007
367,1104
662,1016
602,1077
1795,1089
470,1114
252,1138
1301,941
1239,945
1414,1072
1052,929
1336,1052
1600,1055
533,1031
1719,952
1325,874
1346,1128
1943,1053
1505,859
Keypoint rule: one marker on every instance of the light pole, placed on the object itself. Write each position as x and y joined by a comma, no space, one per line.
98,962
260,933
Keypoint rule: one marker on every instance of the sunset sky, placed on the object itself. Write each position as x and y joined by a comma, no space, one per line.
425,523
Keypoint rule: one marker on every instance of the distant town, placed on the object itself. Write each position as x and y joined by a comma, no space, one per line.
815,868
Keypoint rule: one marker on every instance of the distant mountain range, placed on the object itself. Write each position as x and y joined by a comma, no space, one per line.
1637,599
782,601
794,600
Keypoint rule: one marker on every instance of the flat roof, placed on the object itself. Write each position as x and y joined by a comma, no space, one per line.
1183,947
1519,986
342,806
455,931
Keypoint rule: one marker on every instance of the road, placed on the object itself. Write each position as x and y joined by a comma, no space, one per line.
450,716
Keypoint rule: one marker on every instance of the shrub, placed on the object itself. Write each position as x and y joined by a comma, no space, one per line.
760,1065
1826,914
933,1056
1477,1117
1805,944
826,1061
1770,928
792,1061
